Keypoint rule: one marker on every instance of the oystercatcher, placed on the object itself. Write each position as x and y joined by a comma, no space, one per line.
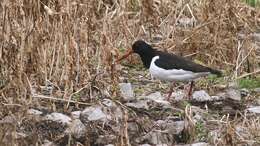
169,67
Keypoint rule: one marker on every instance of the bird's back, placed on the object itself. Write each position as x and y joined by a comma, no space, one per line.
172,61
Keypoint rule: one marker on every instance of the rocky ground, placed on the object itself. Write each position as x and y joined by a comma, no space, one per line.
218,113
58,98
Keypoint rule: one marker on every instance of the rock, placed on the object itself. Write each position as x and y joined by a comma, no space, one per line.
118,113
145,145
200,144
215,98
58,117
256,36
244,92
163,132
47,89
198,117
258,101
21,135
78,129
48,143
93,113
186,22
141,104
233,85
34,112
233,94
109,103
157,38
242,131
157,97
178,95
255,109
75,114
201,96
132,128
154,137
257,90
105,139
171,127
214,134
196,144
126,91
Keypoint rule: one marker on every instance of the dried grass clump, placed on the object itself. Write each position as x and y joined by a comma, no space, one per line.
67,48
67,43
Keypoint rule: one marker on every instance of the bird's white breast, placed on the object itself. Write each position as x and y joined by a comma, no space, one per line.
173,74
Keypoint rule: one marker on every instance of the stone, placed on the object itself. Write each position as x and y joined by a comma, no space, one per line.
141,104
58,117
108,103
157,97
78,129
186,22
196,144
255,109
21,135
242,131
132,128
154,137
200,144
244,92
256,36
201,96
126,91
105,139
233,94
34,112
178,95
163,132
216,98
93,113
258,101
8,120
145,145
233,85
75,114
118,113
171,127
257,90
48,143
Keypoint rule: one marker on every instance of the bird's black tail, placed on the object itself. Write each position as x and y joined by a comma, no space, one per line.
216,72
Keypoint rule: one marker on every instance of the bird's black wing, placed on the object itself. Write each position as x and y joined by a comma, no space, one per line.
172,61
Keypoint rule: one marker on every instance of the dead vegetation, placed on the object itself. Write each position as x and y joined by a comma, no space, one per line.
60,54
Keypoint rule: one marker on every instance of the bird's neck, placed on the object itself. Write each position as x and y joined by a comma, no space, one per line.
147,58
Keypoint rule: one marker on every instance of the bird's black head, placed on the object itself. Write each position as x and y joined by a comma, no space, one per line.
141,47
144,50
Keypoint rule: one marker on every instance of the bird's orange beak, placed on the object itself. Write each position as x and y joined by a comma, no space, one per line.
129,52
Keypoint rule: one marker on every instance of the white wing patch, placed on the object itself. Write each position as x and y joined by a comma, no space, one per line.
173,74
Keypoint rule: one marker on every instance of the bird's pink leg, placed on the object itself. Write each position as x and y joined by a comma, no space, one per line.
190,90
171,90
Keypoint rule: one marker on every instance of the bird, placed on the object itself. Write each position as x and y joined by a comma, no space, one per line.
167,66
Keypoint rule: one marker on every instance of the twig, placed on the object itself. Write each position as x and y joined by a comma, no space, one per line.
243,59
74,93
248,74
239,50
59,99
12,104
